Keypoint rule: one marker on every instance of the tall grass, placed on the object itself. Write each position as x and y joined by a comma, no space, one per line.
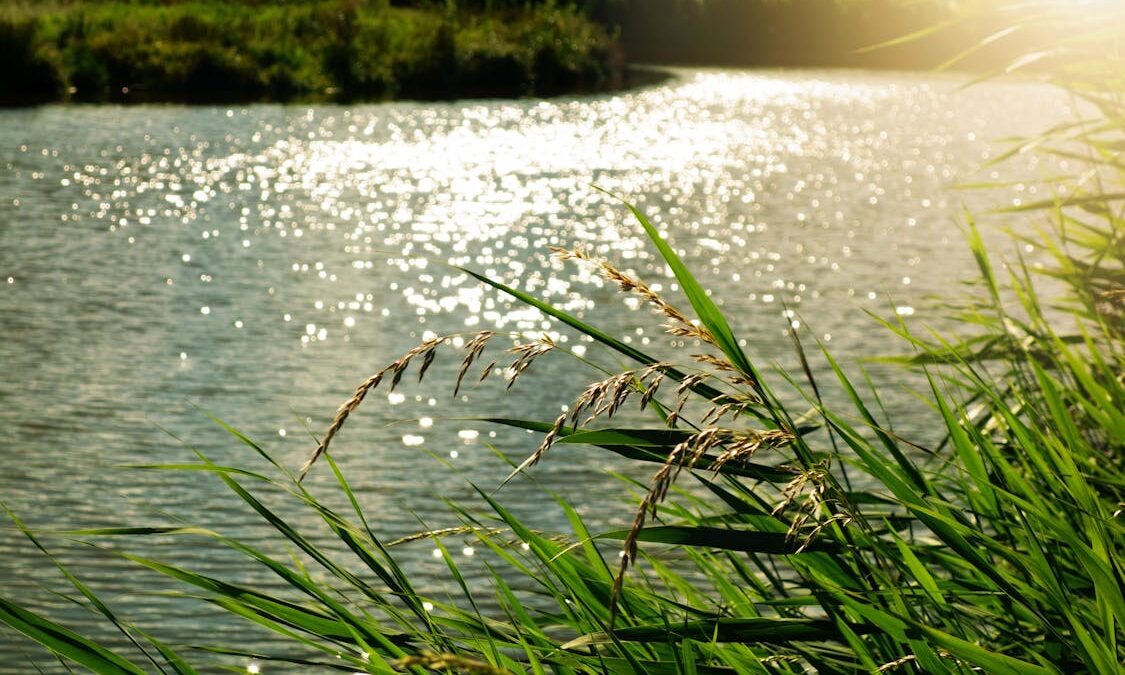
810,537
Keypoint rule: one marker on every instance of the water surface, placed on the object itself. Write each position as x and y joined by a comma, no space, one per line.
160,263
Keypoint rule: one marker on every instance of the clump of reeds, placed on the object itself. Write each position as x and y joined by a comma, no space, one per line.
600,400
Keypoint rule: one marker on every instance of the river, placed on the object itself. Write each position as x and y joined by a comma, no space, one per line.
160,264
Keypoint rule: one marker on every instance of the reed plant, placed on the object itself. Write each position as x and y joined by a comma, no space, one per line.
811,536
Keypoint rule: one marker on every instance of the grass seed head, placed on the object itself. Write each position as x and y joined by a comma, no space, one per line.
526,354
426,350
473,349
448,662
736,445
678,323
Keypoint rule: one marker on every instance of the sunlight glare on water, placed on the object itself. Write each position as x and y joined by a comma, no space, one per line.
260,262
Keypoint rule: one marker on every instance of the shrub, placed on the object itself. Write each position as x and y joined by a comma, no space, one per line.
29,70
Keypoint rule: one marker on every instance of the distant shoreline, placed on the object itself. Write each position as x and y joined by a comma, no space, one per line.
208,51
301,51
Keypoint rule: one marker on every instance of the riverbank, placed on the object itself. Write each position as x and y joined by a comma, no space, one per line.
209,51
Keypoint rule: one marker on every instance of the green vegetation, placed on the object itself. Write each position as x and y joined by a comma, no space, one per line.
812,535
209,50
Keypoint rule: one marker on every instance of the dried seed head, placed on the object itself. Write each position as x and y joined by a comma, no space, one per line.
674,416
661,482
444,532
396,376
893,665
341,415
652,387
716,413
586,399
447,663
526,355
604,398
679,324
794,489
427,360
628,558
820,505
425,349
807,540
548,440
715,362
736,445
690,330
532,460
740,446
598,399
620,388
473,349
690,382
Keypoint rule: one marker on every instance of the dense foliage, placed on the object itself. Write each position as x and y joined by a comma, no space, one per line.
203,50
